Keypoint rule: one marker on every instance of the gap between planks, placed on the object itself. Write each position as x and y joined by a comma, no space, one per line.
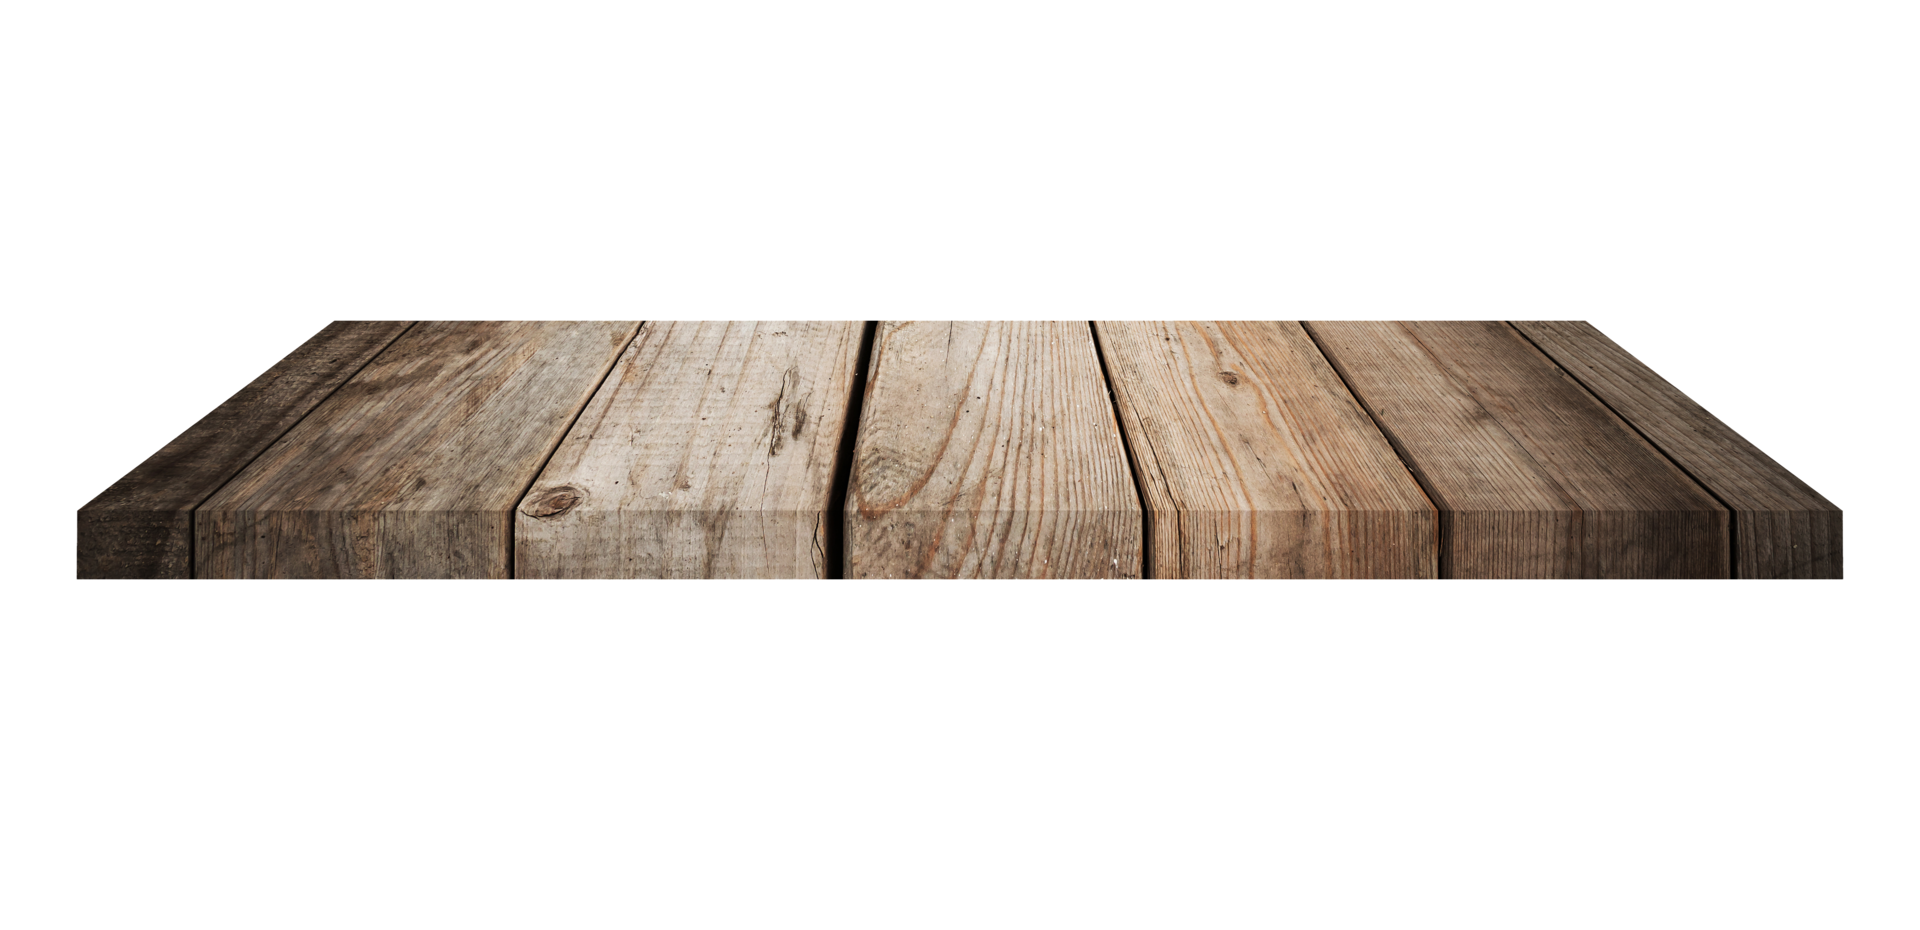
1126,448
836,527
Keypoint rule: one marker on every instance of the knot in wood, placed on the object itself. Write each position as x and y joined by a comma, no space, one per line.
553,502
1230,377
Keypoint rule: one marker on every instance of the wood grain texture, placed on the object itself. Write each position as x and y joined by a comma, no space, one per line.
1782,528
1256,462
412,469
989,450
142,526
709,453
1534,478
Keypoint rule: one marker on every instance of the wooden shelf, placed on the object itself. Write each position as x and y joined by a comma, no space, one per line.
959,450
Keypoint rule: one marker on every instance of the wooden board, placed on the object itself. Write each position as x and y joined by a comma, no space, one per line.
1782,528
412,469
709,453
989,450
1534,478
1256,462
976,450
142,526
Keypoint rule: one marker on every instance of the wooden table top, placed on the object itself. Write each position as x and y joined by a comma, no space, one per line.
959,450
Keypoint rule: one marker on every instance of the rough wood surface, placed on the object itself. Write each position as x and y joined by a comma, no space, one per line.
412,469
142,526
1782,528
989,450
1256,462
1259,449
1534,478
709,453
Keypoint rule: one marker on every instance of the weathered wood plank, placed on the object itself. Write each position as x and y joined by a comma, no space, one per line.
142,526
709,453
412,469
989,450
1256,462
1782,528
1534,478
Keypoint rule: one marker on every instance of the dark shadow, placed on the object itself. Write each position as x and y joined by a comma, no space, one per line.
75,456
843,467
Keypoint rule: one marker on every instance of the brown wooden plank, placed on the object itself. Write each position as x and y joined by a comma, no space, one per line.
1534,478
1782,528
1256,462
989,450
709,453
142,526
412,469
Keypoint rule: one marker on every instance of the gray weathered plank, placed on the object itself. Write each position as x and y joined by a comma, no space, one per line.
142,526
709,453
1782,528
1534,478
989,450
412,469
1256,462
